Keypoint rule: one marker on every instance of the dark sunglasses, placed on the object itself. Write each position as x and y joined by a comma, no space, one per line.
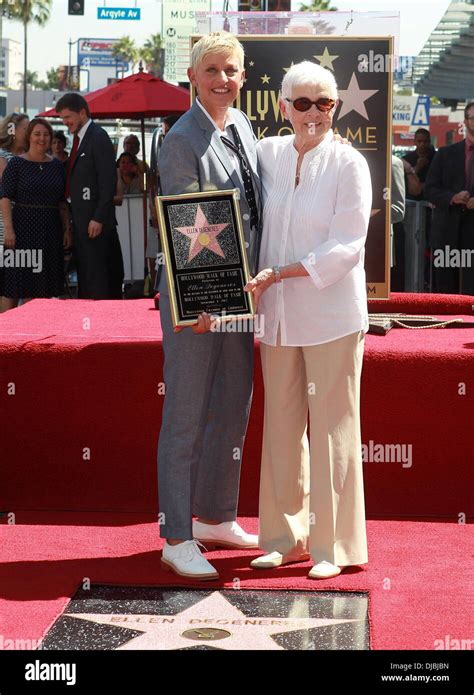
323,104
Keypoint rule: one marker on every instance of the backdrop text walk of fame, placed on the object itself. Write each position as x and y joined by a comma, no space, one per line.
362,68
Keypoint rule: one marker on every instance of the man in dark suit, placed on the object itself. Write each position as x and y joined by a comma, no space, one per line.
450,186
90,189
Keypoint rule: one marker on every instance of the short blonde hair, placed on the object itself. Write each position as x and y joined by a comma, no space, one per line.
308,73
216,42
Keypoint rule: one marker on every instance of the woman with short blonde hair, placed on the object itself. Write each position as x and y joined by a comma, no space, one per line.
216,42
208,375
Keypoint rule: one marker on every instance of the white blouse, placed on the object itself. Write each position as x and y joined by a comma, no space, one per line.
321,223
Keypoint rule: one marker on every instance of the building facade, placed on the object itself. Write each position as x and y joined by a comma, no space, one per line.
11,64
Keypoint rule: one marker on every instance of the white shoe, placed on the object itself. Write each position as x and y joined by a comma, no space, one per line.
187,560
324,570
228,534
276,559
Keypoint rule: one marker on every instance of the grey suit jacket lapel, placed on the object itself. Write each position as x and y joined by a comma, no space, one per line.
220,150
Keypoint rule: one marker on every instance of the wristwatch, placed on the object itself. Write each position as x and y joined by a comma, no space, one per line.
277,273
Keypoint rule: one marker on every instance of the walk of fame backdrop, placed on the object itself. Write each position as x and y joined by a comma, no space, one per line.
362,67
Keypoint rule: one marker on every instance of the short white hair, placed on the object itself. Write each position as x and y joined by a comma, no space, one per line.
308,73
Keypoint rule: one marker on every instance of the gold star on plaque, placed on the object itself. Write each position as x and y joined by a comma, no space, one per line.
289,66
265,79
325,59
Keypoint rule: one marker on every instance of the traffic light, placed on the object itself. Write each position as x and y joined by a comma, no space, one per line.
76,7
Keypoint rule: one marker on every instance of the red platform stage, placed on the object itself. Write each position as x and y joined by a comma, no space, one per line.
82,397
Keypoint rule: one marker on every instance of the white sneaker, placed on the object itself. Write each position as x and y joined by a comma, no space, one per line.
324,570
276,559
187,560
228,534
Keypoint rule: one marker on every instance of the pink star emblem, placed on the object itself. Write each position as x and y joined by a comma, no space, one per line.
203,235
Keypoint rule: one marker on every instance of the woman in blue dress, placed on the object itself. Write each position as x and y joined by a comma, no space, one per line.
12,143
36,219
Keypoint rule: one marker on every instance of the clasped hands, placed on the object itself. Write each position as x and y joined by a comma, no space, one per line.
463,198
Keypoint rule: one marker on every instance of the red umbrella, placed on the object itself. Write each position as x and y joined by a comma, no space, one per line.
137,97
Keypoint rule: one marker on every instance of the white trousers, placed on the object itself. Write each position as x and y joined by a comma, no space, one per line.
312,495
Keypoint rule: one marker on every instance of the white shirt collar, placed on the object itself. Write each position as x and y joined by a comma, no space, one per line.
82,131
317,149
228,118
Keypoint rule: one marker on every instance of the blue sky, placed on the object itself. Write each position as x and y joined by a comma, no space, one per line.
48,46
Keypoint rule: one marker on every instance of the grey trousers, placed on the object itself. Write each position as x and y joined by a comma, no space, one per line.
208,382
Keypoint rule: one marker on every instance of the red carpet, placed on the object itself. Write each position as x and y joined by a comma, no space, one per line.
418,576
86,378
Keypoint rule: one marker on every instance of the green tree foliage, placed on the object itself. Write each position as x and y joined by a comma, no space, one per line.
28,12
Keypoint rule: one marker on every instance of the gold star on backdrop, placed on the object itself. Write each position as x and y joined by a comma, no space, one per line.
325,59
289,66
353,98
265,79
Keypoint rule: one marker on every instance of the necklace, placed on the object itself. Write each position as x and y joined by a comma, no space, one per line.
40,162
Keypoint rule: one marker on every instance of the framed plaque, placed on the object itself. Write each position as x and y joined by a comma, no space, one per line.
205,256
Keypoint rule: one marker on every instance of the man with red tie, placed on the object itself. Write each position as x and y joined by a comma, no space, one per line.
450,186
91,182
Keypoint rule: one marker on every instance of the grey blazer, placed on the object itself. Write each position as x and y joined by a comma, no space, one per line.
193,158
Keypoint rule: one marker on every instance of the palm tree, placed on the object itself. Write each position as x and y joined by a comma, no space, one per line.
27,11
318,6
126,50
151,53
52,78
31,78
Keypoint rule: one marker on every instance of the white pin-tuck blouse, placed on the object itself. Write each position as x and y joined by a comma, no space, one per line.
323,224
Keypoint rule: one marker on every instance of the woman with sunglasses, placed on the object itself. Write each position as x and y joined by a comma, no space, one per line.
311,293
